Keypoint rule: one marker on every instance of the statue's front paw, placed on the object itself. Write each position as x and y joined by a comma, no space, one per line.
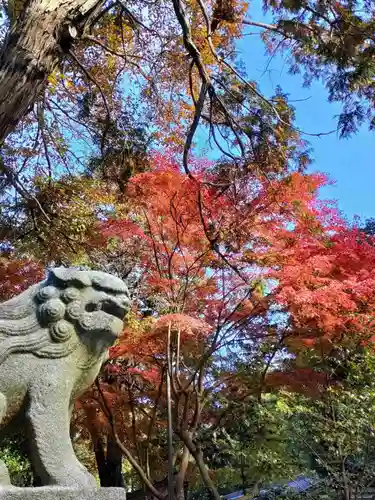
4,476
77,478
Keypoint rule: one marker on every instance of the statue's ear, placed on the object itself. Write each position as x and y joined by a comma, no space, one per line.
66,276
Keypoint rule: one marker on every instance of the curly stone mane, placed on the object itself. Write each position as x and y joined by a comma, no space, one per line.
33,323
44,319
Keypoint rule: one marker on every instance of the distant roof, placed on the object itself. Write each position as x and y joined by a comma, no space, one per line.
234,495
300,483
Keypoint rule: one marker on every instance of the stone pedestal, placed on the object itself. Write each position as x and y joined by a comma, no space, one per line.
57,493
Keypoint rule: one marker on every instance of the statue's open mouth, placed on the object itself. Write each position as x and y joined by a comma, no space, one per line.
117,307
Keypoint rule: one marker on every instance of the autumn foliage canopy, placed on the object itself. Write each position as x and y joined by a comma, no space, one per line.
245,272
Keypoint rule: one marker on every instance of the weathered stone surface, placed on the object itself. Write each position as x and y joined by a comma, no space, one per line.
58,493
53,339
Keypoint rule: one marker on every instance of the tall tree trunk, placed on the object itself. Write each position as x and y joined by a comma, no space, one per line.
33,48
99,450
109,463
114,464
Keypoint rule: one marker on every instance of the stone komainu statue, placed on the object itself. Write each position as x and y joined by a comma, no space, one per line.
54,338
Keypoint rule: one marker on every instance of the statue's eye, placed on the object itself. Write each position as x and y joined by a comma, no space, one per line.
91,306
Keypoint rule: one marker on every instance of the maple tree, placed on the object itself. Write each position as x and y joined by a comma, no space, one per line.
17,275
233,277
216,275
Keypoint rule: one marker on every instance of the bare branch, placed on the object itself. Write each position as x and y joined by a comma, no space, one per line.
108,113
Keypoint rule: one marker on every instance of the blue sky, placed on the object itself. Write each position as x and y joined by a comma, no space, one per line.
350,162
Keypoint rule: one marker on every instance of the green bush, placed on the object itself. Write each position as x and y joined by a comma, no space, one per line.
18,465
